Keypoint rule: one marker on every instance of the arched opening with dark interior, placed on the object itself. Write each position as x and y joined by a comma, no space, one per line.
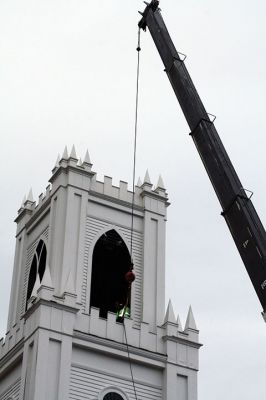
38,265
110,262
32,276
112,396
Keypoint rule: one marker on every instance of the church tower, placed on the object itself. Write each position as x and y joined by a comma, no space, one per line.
73,249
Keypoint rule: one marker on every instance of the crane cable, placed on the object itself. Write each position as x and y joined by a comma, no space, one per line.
132,207
135,144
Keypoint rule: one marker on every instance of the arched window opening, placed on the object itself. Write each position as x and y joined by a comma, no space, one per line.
110,262
113,396
42,260
37,267
32,276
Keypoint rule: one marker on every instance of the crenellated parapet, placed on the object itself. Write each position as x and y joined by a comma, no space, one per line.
69,169
179,345
169,349
12,338
80,175
51,315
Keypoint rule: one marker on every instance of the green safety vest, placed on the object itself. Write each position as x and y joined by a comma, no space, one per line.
125,311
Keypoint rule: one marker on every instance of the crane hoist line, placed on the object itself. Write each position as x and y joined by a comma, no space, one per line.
237,209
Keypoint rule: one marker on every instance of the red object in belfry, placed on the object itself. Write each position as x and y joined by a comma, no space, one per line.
130,277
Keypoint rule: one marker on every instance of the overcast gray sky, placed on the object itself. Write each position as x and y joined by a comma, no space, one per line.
67,75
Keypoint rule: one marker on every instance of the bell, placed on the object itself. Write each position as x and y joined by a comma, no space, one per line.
130,277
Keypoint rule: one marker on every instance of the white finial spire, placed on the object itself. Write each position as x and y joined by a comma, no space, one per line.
190,322
160,183
65,154
170,315
139,182
36,286
87,159
147,178
73,153
30,196
47,280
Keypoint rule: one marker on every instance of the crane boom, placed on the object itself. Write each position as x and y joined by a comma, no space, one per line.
237,208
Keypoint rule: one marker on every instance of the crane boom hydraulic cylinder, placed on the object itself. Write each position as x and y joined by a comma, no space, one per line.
237,209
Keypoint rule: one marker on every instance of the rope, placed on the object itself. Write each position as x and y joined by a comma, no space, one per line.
132,208
135,145
129,360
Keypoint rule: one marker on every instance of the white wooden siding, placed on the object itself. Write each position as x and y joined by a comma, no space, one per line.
86,384
12,391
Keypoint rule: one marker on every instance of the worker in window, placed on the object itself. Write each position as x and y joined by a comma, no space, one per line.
123,311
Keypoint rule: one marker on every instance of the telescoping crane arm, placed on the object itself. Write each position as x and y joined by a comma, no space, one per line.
237,209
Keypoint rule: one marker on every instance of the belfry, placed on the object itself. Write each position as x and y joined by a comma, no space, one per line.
73,249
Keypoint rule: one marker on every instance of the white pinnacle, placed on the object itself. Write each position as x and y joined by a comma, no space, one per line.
47,280
170,315
147,178
65,154
36,286
87,159
160,183
190,322
30,196
139,183
73,153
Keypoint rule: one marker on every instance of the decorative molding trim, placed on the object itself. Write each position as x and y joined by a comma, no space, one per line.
118,346
113,389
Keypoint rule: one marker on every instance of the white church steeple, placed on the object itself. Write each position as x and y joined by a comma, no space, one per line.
73,249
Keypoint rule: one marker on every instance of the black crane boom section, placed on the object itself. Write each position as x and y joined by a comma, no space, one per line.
237,208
